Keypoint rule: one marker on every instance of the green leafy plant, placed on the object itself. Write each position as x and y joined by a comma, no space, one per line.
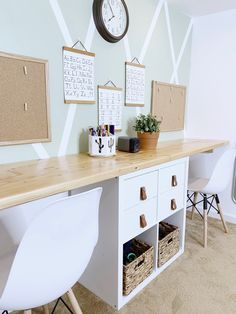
147,123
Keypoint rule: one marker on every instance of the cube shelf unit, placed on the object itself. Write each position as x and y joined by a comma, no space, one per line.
119,221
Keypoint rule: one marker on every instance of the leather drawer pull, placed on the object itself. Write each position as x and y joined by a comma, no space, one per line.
173,204
174,181
143,222
143,193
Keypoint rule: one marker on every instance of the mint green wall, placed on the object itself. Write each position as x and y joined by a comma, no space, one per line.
30,28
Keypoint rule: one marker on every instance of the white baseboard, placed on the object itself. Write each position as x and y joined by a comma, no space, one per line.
228,217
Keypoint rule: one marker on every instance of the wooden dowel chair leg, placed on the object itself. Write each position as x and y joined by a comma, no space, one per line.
27,312
205,221
194,201
74,302
221,213
46,309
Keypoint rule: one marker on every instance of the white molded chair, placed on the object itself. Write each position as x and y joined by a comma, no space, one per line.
209,189
52,255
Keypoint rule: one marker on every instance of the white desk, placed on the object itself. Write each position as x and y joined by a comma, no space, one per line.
121,178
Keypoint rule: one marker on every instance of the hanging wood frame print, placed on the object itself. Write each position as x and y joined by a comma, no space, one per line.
134,84
78,76
110,106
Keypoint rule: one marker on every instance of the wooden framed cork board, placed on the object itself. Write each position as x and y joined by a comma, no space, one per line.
168,105
24,100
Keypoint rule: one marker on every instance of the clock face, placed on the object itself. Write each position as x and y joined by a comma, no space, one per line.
111,18
114,17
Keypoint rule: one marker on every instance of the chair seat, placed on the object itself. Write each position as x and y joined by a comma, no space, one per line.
6,261
197,184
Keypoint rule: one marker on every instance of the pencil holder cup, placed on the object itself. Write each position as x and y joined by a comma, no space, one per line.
103,146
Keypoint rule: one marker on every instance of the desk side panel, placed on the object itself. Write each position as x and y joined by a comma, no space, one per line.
101,275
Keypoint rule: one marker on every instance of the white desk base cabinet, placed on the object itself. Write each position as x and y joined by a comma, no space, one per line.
119,220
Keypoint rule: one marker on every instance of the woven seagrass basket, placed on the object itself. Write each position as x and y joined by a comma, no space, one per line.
168,244
139,269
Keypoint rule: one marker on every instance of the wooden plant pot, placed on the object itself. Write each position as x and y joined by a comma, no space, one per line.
148,140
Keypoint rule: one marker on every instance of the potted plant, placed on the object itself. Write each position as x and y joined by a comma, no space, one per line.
148,130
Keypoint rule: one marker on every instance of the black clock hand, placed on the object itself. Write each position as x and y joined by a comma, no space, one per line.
111,18
111,9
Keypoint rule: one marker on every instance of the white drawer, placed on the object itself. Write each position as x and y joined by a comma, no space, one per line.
130,220
170,202
130,189
171,177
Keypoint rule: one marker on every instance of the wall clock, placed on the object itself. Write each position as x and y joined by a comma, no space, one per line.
111,18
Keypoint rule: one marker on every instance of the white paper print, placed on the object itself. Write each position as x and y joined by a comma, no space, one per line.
78,76
135,85
110,107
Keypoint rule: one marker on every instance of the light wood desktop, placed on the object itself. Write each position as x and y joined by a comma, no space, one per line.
30,180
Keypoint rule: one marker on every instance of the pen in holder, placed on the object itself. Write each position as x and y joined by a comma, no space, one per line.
101,143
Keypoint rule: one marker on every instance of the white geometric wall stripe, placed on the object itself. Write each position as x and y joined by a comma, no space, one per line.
90,33
67,129
72,107
151,30
67,37
146,42
61,22
129,59
171,42
148,37
40,151
88,42
184,44
38,147
127,49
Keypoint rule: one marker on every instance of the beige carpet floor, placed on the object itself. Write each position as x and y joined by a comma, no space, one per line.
201,281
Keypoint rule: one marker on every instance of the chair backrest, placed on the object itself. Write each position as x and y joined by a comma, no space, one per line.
54,251
222,173
15,220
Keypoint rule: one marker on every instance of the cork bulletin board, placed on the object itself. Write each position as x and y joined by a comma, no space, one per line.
168,105
24,101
